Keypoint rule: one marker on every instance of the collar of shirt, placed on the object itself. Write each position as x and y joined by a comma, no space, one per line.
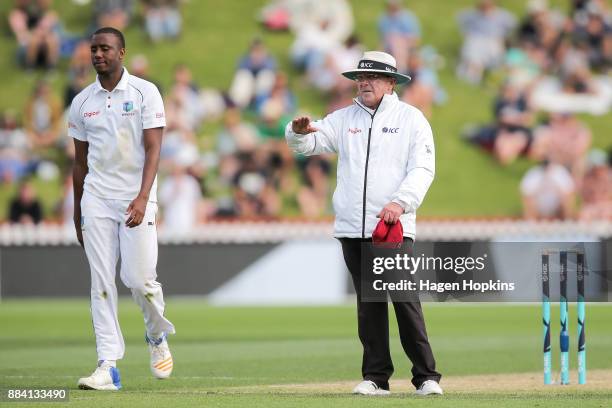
122,85
387,100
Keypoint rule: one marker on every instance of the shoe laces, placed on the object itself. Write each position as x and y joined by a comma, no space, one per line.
103,369
159,351
426,383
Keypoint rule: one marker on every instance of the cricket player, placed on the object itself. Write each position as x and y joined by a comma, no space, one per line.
117,124
386,163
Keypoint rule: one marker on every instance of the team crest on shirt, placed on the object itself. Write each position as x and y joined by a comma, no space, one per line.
128,108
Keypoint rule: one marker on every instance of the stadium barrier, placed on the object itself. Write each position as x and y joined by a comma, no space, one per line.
246,262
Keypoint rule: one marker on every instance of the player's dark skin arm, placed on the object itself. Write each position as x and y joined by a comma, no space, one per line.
79,172
152,145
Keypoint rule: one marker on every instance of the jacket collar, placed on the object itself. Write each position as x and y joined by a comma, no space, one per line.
121,85
387,101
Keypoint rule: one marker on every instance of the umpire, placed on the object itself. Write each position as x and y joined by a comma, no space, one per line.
386,163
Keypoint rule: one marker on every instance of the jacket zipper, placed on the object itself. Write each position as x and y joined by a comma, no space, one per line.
365,176
365,181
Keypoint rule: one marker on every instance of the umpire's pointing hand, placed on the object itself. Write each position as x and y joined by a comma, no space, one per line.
302,125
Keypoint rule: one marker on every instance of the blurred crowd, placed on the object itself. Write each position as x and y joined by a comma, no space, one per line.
552,67
245,170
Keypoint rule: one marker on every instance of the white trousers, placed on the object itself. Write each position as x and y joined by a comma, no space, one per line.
106,237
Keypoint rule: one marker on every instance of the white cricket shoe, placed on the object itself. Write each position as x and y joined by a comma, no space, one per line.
368,387
106,378
161,359
429,387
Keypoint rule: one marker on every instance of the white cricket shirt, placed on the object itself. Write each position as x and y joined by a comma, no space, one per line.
112,123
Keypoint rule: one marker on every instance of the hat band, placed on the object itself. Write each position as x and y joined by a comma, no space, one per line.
380,66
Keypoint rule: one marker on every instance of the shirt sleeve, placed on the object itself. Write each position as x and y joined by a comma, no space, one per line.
76,127
324,140
153,115
420,168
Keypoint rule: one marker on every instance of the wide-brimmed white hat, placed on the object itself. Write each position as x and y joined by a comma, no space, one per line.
378,62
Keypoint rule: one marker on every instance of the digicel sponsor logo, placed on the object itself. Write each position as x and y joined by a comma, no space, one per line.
90,114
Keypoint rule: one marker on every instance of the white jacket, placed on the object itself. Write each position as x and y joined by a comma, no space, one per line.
384,155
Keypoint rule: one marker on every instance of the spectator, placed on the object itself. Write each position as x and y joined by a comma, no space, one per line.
175,140
597,189
112,13
597,33
485,30
162,19
184,102
276,156
542,26
324,69
296,14
14,149
78,72
337,15
237,136
525,63
254,196
139,66
400,32
313,195
566,142
578,79
510,136
319,28
237,143
548,192
280,94
254,76
576,89
424,88
313,43
43,117
275,15
180,196
36,27
64,209
25,208
578,7
271,121
511,108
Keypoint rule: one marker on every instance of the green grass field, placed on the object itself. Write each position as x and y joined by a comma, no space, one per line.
216,33
268,357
